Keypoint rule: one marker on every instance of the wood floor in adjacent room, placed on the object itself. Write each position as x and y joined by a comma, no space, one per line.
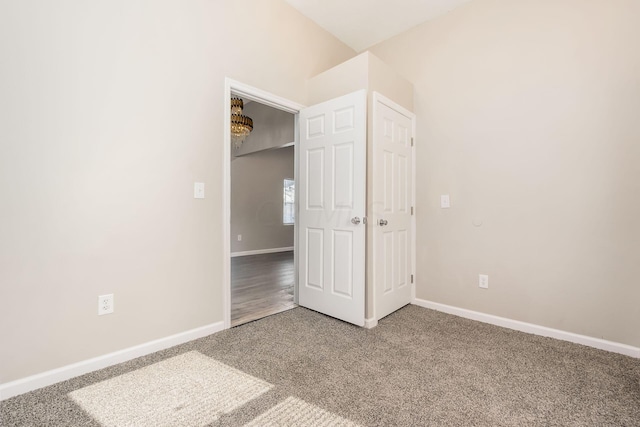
261,285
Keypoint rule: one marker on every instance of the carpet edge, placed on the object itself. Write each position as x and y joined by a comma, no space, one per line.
53,376
531,328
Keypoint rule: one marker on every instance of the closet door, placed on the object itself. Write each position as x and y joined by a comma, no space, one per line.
332,205
392,206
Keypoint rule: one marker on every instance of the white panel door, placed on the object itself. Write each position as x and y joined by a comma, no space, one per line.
332,206
392,194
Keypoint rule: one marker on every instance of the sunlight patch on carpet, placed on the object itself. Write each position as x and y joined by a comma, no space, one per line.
187,390
296,412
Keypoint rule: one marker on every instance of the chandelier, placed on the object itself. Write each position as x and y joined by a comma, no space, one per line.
241,125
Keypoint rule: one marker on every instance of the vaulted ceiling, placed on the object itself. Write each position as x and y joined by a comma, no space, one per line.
363,23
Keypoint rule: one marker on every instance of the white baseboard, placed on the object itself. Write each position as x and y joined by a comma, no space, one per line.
262,251
530,328
64,373
370,323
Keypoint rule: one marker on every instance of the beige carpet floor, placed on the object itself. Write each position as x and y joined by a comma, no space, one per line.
417,368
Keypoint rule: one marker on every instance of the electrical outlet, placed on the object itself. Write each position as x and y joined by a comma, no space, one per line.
445,202
483,281
239,237
105,304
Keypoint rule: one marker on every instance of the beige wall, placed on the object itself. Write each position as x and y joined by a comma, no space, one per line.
347,77
527,115
365,71
110,110
256,200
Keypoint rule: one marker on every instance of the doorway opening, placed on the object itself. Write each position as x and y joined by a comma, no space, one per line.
263,217
329,184
260,269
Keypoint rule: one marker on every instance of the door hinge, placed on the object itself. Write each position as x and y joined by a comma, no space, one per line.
411,210
412,278
412,141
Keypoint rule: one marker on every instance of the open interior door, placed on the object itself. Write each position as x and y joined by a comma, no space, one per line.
332,207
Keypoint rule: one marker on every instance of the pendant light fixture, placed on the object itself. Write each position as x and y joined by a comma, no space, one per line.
241,125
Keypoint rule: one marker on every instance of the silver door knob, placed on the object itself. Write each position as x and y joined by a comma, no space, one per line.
355,220
383,222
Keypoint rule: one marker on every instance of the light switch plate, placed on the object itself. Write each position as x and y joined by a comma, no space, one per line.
444,201
198,190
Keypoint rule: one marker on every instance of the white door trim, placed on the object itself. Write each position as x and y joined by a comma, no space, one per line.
379,98
275,101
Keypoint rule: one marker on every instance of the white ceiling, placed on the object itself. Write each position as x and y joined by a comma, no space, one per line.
363,23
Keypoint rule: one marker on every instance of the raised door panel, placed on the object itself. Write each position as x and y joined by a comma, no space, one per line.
392,194
332,193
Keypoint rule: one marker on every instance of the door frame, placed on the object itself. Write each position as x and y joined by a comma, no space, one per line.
379,98
271,100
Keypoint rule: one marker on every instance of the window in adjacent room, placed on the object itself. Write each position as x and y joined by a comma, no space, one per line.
288,208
